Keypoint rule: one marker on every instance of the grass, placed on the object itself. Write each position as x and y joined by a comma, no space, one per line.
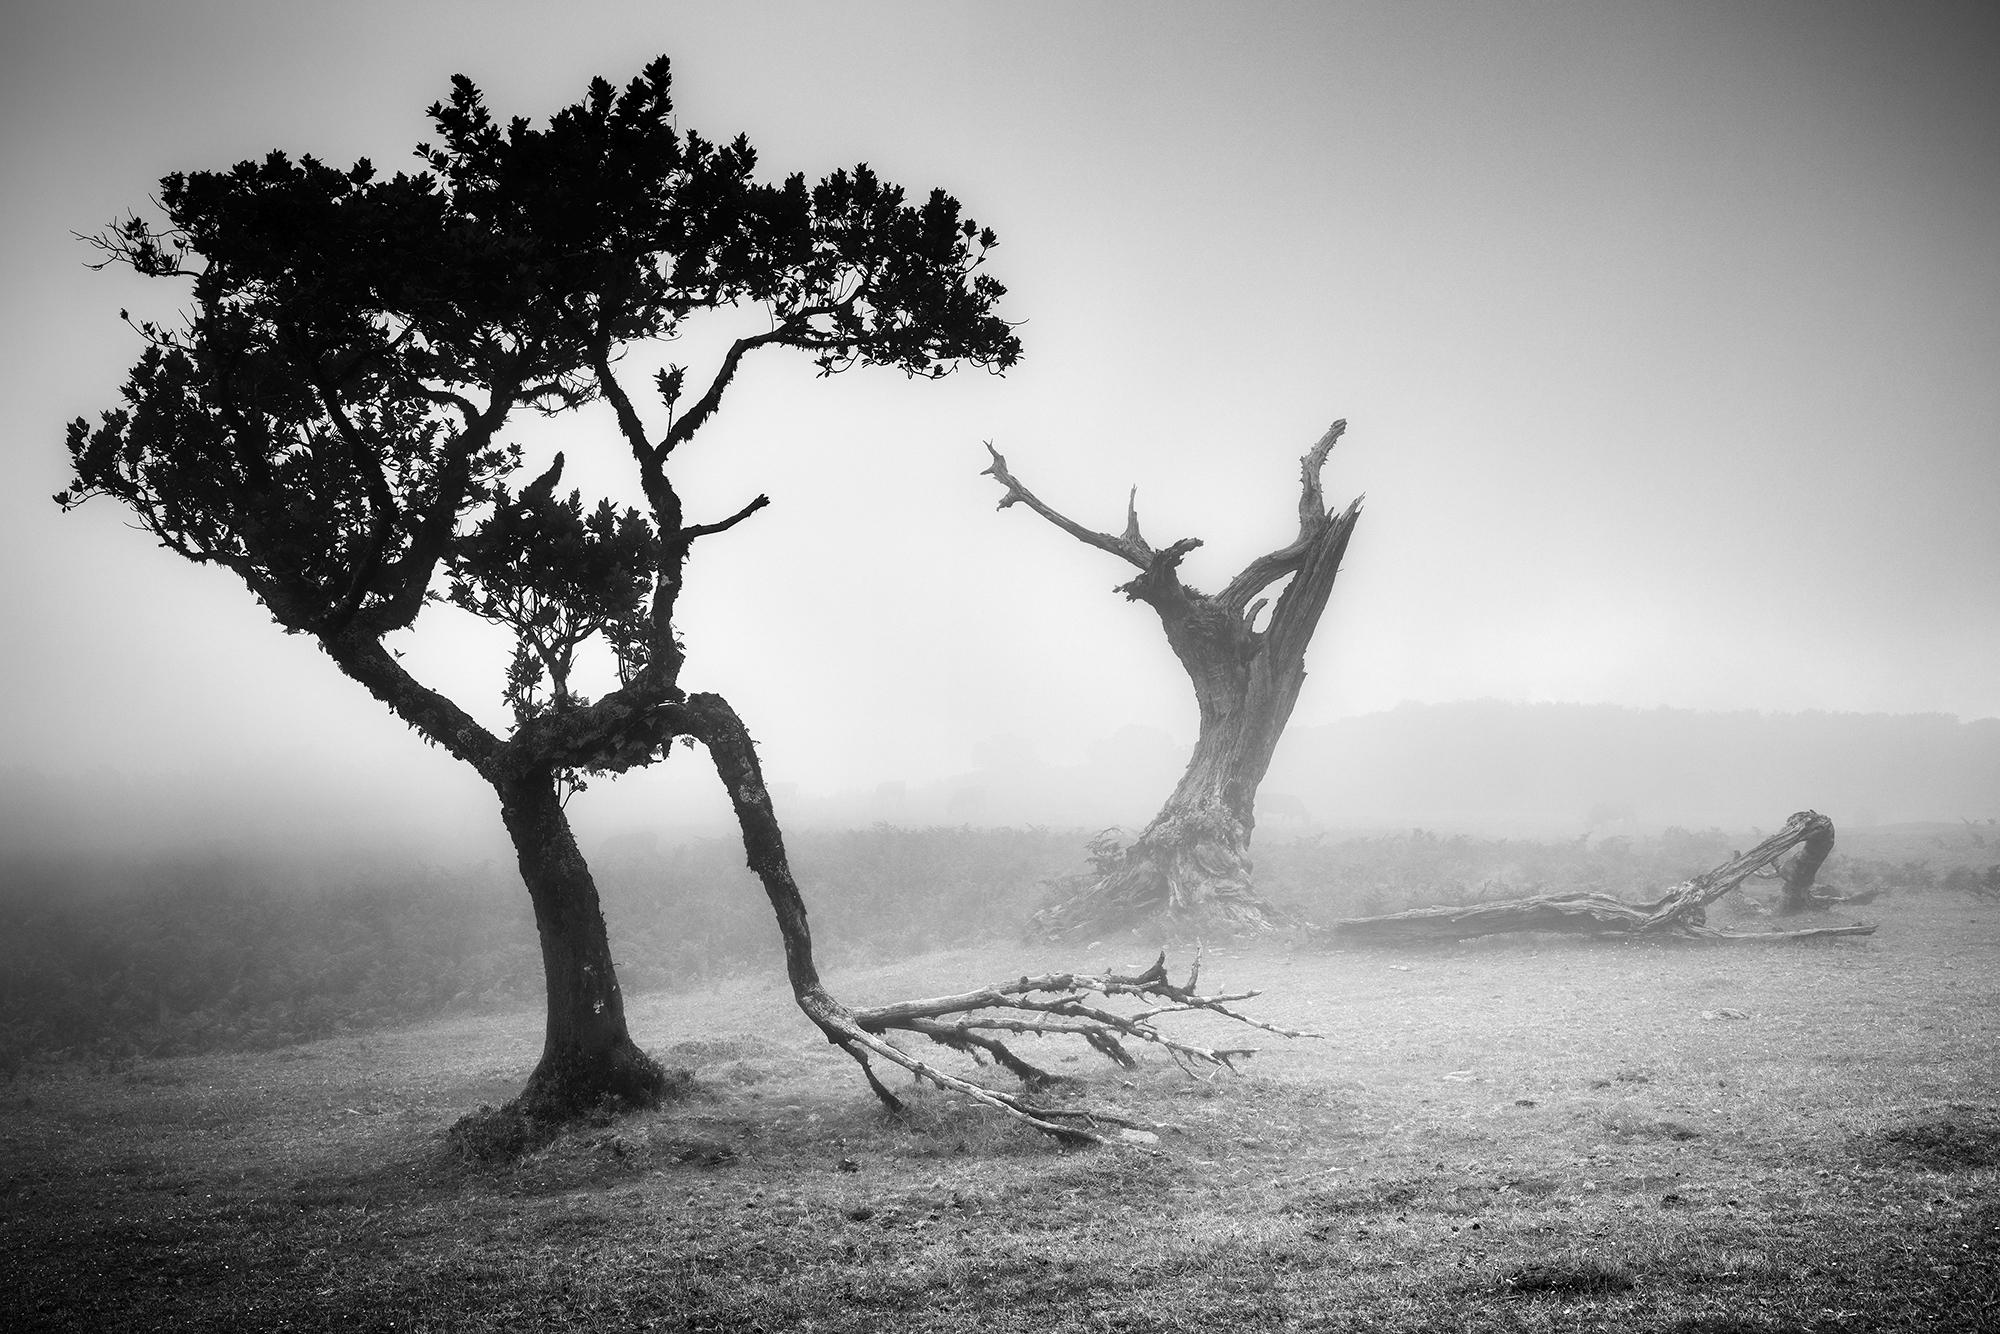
1522,1134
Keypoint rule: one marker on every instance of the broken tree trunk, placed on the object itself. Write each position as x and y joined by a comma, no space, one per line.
1191,865
1052,1005
1797,893
1681,911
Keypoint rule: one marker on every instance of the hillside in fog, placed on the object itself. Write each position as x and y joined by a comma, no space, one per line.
1548,767
1482,766
1493,766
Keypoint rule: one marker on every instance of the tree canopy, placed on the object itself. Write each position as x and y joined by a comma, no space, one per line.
329,421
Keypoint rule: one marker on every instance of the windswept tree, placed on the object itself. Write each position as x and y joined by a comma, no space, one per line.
329,424
1190,867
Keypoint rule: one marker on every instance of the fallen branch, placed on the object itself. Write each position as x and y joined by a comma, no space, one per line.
1680,912
1052,1004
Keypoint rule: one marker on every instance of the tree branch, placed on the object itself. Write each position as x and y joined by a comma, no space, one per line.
692,531
1266,570
433,532
704,407
1131,547
362,657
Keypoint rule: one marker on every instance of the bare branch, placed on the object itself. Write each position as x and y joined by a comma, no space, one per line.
1072,1004
1131,547
704,407
1266,570
361,656
629,424
692,531
1312,502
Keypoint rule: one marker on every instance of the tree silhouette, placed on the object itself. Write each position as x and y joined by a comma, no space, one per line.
329,424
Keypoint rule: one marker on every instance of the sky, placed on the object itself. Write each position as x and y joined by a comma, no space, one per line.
1668,336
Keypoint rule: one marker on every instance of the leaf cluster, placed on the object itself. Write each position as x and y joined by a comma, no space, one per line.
560,576
329,418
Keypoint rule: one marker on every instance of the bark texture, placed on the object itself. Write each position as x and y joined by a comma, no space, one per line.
1190,867
588,1056
1797,894
1681,911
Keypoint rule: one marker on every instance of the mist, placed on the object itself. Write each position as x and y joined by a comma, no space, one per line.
1666,334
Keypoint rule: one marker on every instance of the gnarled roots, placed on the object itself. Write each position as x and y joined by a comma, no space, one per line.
1188,873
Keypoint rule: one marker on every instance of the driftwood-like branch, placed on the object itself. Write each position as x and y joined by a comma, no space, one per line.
1129,546
1680,912
1268,569
1074,1005
1054,1004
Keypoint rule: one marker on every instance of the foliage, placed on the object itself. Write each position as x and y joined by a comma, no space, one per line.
328,422
560,578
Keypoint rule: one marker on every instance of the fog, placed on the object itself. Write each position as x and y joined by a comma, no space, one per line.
1667,336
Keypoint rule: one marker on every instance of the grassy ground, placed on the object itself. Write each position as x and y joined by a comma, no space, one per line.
1531,1134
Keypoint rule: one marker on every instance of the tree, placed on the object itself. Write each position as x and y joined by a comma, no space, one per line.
328,425
1191,865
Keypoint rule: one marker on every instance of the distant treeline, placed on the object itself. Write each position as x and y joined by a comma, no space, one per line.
189,955
1497,766
1487,764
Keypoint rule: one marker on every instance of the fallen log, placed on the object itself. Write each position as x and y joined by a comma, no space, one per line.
1680,912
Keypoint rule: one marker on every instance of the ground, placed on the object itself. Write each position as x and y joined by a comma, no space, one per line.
1521,1134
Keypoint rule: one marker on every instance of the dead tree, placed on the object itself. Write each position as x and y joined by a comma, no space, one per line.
1191,865
1680,912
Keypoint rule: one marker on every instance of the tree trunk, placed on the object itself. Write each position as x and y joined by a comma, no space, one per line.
1680,912
588,1057
1191,866
1797,893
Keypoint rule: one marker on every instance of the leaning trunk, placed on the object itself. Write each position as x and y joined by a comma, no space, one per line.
1190,868
588,1057
1797,894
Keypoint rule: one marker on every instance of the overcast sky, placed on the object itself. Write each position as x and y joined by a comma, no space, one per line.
1669,336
